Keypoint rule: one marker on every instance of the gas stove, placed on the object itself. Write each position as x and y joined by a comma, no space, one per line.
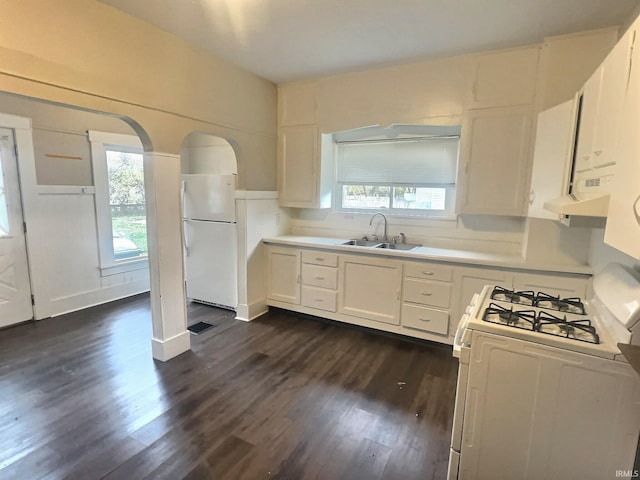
541,312
569,323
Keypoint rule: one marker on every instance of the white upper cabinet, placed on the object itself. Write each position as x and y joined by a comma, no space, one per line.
551,157
495,160
602,102
623,220
304,167
615,75
505,78
588,114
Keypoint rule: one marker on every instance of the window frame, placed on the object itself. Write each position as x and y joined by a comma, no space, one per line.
101,142
391,134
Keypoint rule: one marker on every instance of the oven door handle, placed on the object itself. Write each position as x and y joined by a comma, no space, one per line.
458,344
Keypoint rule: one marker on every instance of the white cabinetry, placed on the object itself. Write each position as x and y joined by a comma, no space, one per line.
551,158
590,97
495,160
304,167
284,275
319,280
370,288
623,221
422,299
426,297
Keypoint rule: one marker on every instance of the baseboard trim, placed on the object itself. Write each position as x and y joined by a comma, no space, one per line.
248,312
170,348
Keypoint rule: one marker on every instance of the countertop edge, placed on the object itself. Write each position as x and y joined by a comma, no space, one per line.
428,253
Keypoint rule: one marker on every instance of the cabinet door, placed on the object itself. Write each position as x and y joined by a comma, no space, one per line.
284,275
495,161
623,220
370,288
615,74
551,157
587,122
298,175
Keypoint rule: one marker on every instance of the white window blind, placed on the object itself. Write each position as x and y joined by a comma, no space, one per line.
430,161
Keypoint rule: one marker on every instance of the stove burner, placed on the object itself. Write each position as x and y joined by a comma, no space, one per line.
569,305
577,329
511,296
525,319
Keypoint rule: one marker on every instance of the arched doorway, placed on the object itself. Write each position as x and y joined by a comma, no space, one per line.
210,230
70,265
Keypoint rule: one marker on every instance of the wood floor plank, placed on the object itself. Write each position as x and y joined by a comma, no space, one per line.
284,396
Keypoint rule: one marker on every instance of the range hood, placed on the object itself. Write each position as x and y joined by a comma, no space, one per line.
577,204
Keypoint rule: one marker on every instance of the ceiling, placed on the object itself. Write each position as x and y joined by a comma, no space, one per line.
284,40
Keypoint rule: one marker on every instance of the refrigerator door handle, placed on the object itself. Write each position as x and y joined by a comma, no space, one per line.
186,239
183,191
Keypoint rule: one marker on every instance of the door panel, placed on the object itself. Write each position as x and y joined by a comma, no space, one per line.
15,290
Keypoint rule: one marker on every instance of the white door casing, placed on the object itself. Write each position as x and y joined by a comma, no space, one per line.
15,289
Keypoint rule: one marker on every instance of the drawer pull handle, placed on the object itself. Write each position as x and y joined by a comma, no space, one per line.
318,299
426,294
424,319
318,277
319,259
427,273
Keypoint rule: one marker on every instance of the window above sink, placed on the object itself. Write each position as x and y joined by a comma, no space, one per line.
402,170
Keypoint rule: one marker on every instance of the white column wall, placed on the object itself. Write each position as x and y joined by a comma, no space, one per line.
164,233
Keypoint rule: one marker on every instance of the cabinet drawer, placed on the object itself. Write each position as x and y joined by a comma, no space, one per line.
427,293
319,276
427,319
319,298
320,258
428,271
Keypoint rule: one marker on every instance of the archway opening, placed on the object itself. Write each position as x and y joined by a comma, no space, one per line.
210,230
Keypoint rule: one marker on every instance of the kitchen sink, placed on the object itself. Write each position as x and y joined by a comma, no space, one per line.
360,242
398,246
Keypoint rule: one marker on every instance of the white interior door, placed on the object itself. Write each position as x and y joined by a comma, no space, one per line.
15,290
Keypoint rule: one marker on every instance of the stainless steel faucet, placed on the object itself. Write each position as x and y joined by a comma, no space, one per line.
386,225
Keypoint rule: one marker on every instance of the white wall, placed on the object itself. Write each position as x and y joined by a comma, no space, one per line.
600,254
259,216
207,154
63,236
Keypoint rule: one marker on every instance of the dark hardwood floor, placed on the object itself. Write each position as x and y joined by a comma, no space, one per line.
282,397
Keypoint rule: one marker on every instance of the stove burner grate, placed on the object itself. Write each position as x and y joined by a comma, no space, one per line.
569,305
505,295
524,319
581,330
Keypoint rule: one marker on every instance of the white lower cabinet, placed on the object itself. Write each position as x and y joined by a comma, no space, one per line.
425,319
320,280
426,299
370,288
284,275
422,299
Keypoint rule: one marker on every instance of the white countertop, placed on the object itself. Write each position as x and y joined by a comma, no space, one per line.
428,253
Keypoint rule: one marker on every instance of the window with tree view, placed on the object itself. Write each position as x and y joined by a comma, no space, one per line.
120,205
411,175
126,202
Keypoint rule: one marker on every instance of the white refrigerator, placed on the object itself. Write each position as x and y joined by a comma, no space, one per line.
210,239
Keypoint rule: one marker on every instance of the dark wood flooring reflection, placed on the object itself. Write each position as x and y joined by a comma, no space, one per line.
282,397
